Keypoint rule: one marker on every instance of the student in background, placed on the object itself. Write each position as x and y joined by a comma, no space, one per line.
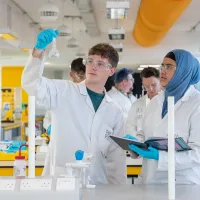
122,89
151,83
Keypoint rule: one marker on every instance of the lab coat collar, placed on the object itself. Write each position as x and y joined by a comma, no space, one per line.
188,93
147,100
185,97
83,91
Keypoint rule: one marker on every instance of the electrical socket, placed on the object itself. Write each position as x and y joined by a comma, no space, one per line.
36,184
7,184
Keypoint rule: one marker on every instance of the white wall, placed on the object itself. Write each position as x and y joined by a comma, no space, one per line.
52,74
66,75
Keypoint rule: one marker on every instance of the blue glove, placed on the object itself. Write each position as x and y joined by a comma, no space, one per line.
151,153
45,37
79,155
127,136
49,130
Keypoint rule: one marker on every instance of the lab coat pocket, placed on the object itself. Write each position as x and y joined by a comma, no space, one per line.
105,140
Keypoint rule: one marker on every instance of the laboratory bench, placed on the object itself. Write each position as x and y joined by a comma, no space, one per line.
112,192
134,167
6,168
141,192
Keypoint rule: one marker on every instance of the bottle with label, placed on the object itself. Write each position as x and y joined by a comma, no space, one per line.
20,167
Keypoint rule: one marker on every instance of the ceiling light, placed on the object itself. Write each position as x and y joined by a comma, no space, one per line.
80,53
117,9
8,36
72,43
116,34
49,12
141,67
25,50
118,46
65,31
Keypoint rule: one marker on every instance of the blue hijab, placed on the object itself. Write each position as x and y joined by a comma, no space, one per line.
187,73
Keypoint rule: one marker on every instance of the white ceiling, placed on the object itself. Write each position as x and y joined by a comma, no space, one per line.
133,55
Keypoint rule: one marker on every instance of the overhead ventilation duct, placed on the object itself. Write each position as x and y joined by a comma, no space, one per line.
15,24
155,18
88,17
6,22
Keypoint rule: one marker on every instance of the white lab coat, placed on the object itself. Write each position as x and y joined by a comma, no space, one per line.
187,126
132,98
135,116
47,120
76,125
121,99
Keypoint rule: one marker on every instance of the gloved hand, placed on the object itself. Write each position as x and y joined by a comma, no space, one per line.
45,37
49,130
128,136
151,153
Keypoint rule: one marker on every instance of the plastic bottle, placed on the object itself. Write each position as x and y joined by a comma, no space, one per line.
20,165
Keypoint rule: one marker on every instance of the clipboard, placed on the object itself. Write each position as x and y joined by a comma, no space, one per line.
124,143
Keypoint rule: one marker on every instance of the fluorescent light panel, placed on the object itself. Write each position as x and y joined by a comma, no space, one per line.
8,36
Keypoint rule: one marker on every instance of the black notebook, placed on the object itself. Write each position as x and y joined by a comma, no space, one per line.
158,143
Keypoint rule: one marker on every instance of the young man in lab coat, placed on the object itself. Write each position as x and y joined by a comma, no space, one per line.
151,82
180,71
77,75
83,115
123,87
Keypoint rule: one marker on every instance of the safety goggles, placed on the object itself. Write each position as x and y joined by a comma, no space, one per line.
148,87
98,64
167,67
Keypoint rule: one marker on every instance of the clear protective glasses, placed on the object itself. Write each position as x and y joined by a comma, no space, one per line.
152,86
167,67
98,64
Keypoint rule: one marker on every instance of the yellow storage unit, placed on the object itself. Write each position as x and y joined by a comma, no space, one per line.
8,104
11,156
155,18
11,78
8,171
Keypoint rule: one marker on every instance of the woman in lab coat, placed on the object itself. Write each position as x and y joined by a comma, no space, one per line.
179,72
83,115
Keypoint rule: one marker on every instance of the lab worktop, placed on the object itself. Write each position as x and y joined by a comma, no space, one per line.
141,192
114,192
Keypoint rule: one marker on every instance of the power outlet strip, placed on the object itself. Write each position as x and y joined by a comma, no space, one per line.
7,184
36,184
